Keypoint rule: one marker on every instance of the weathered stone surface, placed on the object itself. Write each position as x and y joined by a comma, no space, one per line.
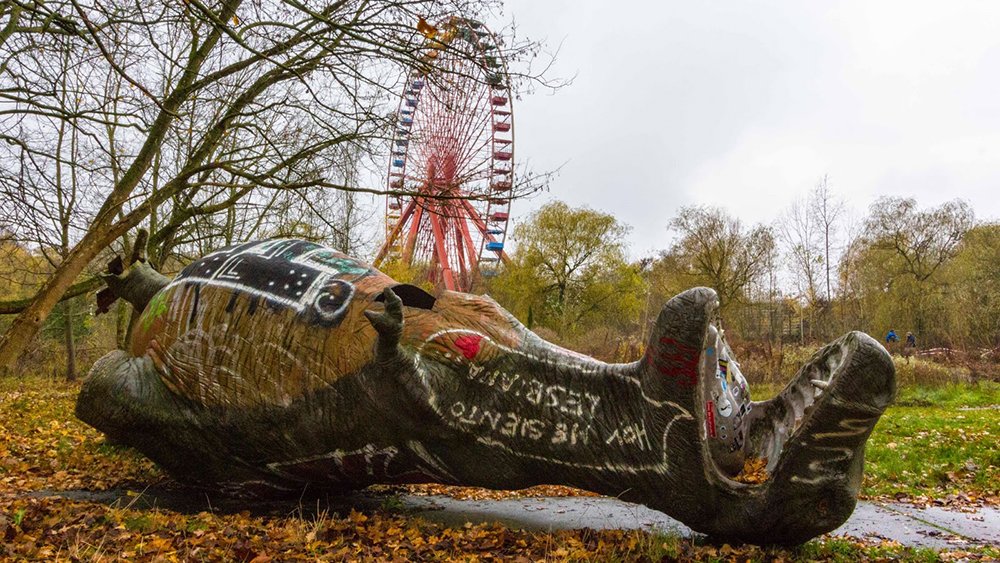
278,363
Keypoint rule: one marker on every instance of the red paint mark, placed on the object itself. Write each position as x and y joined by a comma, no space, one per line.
678,360
469,345
710,418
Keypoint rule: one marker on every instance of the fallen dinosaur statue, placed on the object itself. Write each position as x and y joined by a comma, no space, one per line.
278,363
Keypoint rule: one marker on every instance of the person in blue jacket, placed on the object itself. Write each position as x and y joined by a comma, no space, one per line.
891,337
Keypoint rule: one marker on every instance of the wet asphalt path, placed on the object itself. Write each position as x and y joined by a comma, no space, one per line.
933,527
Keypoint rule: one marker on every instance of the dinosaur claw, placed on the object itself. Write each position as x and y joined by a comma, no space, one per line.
375,319
388,324
393,305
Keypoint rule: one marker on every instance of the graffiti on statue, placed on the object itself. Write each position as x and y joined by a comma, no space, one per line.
311,280
503,405
281,363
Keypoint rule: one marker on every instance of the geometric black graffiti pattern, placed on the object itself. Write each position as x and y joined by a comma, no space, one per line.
303,276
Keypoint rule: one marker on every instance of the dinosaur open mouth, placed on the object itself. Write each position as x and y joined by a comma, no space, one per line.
776,421
739,430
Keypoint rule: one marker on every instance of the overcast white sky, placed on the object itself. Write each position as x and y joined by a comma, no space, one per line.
746,105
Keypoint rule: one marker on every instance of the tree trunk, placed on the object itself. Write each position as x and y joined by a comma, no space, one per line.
70,342
123,314
26,325
123,311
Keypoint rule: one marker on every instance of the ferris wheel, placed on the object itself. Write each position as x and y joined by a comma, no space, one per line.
453,150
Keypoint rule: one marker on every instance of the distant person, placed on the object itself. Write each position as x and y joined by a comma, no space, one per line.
891,337
911,346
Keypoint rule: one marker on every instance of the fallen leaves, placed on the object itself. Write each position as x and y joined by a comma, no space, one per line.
960,502
43,448
754,471
475,493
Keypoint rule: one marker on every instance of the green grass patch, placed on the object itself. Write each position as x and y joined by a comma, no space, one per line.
195,524
142,523
847,550
937,442
952,395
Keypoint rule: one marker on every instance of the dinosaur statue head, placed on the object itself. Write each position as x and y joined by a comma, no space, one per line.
804,448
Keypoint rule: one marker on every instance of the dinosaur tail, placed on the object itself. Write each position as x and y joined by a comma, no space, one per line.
136,282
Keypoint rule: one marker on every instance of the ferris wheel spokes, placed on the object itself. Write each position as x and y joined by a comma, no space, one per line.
453,145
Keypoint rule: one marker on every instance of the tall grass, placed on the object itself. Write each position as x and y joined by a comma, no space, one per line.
775,366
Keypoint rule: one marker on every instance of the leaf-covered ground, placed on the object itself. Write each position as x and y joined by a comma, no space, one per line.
43,448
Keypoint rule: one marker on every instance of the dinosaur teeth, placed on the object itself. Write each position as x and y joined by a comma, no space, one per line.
819,383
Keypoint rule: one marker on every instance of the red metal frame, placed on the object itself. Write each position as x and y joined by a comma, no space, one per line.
454,138
395,230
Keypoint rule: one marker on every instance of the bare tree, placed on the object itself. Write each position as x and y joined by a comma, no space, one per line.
798,231
201,105
715,249
809,230
925,240
827,210
45,207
